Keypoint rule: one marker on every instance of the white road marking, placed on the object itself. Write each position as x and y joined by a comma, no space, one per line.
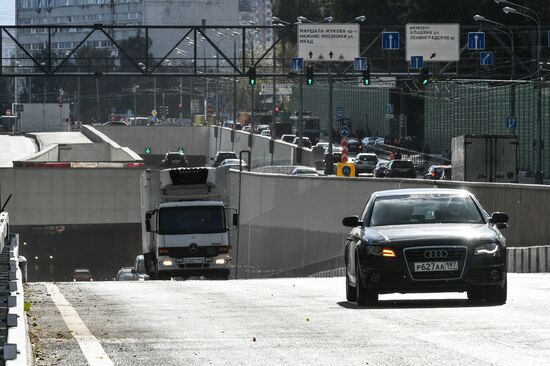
90,346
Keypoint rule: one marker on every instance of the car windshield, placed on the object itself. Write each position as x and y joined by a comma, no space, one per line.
175,157
367,158
126,276
423,209
191,220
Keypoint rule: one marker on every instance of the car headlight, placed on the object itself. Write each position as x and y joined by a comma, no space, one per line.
490,248
380,251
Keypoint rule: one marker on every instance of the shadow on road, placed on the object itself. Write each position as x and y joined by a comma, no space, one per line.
407,304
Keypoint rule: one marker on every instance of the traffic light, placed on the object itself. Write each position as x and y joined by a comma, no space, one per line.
425,76
309,75
252,76
366,77
277,108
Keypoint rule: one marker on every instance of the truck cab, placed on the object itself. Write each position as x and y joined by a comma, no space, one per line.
187,231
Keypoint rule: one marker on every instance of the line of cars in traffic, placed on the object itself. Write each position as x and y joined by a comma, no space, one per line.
128,273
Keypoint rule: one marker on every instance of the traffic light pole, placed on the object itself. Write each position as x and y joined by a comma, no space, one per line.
300,121
328,163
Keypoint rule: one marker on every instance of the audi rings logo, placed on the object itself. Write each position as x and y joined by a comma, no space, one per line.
436,254
193,248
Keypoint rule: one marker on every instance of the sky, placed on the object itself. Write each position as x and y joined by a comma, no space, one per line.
7,12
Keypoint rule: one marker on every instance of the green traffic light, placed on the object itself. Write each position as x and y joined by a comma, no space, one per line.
147,150
309,81
425,82
366,82
252,82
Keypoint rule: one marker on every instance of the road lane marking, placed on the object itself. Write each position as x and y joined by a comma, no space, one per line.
90,346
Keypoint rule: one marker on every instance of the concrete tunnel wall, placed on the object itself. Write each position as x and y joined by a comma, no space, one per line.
52,196
291,226
160,139
283,153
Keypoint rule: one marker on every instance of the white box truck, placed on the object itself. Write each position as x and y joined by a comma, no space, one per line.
485,158
185,229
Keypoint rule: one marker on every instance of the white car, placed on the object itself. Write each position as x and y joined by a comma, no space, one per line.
306,142
305,171
266,132
234,163
288,138
247,128
261,128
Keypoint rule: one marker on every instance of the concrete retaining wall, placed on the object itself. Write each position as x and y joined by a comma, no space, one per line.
292,226
160,139
283,153
48,154
51,196
85,152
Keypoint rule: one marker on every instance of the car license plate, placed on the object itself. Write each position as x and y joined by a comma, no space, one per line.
193,260
435,266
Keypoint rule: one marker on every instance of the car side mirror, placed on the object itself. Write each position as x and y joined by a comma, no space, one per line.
502,225
498,217
235,219
134,271
352,221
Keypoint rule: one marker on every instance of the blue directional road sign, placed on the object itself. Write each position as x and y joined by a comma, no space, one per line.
485,58
297,64
476,40
390,40
344,131
417,62
360,64
389,108
511,122
339,112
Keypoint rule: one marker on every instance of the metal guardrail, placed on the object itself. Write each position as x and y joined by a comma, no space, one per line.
14,344
535,259
420,160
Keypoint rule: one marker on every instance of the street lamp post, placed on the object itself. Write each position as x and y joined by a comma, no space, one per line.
499,27
539,175
134,90
504,29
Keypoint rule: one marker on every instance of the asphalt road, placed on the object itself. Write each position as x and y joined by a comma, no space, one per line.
283,322
14,148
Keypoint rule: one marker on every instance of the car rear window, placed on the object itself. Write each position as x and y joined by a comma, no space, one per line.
402,164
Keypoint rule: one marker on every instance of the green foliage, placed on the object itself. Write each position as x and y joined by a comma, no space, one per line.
405,11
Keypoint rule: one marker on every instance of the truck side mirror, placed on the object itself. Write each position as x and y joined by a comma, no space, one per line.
148,216
235,218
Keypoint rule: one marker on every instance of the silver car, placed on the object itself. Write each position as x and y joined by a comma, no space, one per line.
365,163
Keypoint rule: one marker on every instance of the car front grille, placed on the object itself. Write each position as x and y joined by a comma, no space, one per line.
418,254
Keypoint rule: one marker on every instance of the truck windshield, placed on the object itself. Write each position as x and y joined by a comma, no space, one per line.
191,220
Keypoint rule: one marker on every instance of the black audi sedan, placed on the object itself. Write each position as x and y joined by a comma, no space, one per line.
425,240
